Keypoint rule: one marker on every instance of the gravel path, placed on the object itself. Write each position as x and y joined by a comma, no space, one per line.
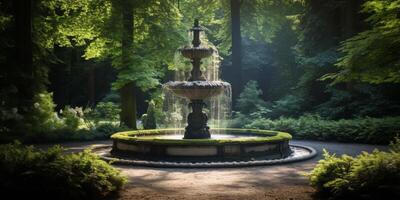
268,182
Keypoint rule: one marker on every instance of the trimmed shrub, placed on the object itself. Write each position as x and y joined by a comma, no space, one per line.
362,130
370,176
28,172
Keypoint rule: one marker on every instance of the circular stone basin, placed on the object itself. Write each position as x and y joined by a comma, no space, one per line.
227,145
196,89
196,52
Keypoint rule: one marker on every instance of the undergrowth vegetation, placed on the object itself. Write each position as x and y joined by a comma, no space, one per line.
361,130
369,175
286,115
29,172
70,123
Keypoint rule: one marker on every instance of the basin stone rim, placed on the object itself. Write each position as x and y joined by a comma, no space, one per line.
266,136
224,164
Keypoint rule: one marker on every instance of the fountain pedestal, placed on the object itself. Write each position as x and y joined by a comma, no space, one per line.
197,122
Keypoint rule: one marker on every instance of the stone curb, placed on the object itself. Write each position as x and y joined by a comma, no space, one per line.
227,164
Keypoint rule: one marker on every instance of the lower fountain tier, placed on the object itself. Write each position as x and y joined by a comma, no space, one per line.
229,144
195,90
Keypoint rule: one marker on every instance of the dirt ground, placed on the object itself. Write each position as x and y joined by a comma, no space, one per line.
267,182
273,182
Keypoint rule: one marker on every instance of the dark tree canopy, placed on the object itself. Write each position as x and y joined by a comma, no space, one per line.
334,59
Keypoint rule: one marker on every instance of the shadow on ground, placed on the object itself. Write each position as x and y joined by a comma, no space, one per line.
263,182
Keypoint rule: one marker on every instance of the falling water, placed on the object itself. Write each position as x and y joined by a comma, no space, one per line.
218,108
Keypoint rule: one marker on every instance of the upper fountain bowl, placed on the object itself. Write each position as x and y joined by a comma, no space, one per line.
195,90
196,52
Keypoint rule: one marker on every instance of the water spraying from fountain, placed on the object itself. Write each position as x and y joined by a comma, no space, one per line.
205,72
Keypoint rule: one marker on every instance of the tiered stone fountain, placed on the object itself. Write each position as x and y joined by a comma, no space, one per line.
197,88
197,146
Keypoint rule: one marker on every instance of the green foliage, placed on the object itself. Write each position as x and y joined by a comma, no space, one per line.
112,96
289,105
156,36
149,119
249,100
263,27
375,175
361,101
319,35
362,130
105,111
251,107
72,124
372,55
72,117
42,117
101,131
329,169
30,173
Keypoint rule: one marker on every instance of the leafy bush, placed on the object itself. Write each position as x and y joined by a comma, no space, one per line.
42,117
73,123
72,117
372,176
365,56
289,105
362,130
99,132
106,111
362,100
249,100
28,172
104,131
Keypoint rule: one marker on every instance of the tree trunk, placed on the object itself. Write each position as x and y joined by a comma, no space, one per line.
127,92
236,49
92,85
23,69
128,106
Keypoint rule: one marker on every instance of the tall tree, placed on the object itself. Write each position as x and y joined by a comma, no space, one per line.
236,48
372,56
128,91
23,59
144,37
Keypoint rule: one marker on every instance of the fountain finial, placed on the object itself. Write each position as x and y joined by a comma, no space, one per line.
196,33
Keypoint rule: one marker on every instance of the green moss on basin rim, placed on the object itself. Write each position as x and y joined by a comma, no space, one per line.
265,136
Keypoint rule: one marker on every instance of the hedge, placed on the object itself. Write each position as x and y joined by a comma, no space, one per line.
362,130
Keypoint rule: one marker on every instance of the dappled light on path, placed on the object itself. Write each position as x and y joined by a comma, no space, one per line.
266,182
